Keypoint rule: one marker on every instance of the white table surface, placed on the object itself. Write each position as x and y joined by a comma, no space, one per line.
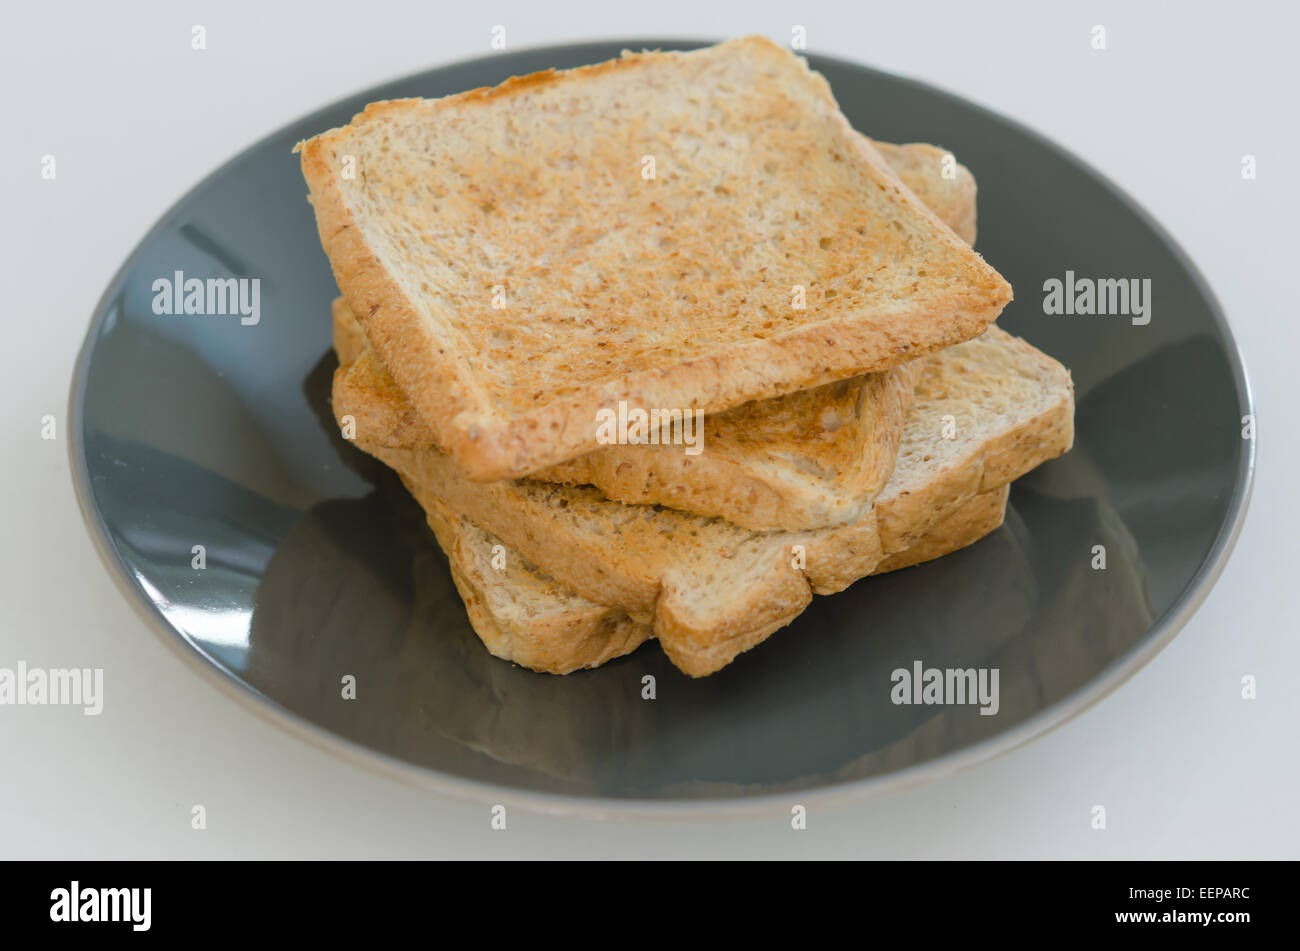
134,116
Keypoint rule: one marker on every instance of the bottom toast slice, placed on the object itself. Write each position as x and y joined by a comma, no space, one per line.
986,412
524,616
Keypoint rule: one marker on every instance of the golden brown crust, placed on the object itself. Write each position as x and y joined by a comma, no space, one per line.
577,633
365,392
704,582
806,460
350,344
572,633
1001,454
564,634
971,522
380,308
496,433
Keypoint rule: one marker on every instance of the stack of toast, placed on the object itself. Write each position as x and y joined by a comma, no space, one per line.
663,347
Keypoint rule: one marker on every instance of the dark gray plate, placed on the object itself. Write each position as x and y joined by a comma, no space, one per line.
202,431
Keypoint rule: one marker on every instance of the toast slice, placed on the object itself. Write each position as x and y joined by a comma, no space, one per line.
986,411
805,460
688,231
523,616
935,176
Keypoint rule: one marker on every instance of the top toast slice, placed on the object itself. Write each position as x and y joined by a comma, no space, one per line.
674,230
804,460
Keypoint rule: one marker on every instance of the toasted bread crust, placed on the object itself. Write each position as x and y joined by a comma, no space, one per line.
764,490
968,524
496,434
964,526
1002,455
702,583
351,346
566,633
726,481
571,633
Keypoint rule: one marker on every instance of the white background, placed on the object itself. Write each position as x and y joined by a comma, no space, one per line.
1184,766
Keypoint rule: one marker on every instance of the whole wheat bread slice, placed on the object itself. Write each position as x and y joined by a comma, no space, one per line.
986,411
805,460
524,616
932,173
518,268
935,176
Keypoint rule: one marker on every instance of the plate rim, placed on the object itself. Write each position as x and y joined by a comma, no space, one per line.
1114,675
